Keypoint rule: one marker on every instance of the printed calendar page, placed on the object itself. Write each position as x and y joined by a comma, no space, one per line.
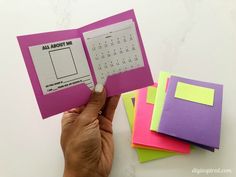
61,65
113,49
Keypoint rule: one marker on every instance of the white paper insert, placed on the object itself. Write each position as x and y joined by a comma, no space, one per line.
61,64
114,49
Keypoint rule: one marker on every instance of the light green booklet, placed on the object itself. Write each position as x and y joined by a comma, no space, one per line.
144,155
159,100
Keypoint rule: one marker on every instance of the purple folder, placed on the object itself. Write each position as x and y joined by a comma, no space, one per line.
62,100
191,121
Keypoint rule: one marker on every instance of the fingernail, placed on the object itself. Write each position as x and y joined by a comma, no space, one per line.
99,88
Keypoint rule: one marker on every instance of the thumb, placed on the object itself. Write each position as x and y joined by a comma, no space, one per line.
95,104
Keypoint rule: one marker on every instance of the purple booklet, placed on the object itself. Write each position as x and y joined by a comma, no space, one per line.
192,112
64,66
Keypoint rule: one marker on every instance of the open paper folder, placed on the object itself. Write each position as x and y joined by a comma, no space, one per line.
65,65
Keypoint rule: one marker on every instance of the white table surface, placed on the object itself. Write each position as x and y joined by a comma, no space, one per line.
194,38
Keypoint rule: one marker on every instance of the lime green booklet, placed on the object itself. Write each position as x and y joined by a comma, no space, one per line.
144,155
159,100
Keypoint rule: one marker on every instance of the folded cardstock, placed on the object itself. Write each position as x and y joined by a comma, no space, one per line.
190,120
144,155
142,134
159,100
159,103
64,66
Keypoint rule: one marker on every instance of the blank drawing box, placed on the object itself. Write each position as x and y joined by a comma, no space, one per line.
58,60
129,77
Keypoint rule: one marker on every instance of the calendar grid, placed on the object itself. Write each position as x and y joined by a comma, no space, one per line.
114,52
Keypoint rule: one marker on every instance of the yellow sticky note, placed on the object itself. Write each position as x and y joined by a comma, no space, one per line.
195,93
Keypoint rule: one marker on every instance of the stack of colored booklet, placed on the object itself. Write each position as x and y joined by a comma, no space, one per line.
174,113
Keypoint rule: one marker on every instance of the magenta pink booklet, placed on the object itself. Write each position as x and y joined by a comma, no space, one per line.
64,66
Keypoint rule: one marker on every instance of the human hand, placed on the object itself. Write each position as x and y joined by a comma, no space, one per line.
86,137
